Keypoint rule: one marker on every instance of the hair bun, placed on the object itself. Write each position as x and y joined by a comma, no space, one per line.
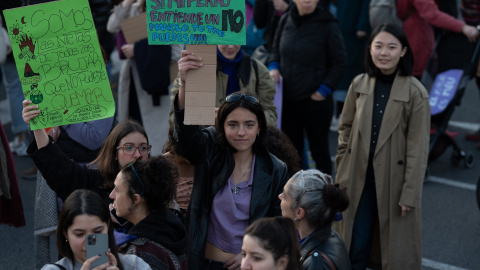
335,197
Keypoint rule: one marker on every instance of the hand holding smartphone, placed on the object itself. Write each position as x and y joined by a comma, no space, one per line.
97,244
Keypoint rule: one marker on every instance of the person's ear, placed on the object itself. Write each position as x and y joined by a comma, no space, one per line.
282,262
136,199
299,213
404,51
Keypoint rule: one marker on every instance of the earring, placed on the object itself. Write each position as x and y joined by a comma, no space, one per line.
296,219
66,240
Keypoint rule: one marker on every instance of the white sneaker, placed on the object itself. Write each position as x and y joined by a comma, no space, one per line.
14,144
334,124
19,148
22,149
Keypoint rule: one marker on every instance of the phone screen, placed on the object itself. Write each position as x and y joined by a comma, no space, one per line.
97,244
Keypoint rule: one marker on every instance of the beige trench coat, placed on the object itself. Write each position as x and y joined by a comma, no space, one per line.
399,163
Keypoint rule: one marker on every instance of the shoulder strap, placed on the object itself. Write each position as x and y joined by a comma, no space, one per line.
60,266
325,256
255,68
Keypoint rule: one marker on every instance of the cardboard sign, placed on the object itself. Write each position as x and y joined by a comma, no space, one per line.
59,62
443,90
135,28
200,89
198,22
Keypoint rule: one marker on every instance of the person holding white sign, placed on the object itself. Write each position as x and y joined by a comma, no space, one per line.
236,179
236,71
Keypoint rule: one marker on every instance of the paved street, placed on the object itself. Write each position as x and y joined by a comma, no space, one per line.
451,217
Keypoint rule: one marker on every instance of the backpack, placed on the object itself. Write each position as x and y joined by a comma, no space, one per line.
383,11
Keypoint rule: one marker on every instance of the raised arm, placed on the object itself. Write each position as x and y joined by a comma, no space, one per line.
30,111
187,61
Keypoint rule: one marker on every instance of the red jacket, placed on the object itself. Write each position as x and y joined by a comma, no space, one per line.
418,17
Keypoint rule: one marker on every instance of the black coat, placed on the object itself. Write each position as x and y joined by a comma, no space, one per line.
63,175
212,171
310,51
331,244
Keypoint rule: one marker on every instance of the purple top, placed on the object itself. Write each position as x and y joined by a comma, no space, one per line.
90,134
230,215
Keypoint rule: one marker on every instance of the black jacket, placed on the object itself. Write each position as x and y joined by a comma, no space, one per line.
212,171
62,174
329,242
310,51
161,241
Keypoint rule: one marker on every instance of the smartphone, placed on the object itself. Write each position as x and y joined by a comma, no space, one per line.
121,221
97,244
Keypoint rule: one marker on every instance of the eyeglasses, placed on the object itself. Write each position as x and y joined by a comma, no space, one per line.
237,97
138,177
129,149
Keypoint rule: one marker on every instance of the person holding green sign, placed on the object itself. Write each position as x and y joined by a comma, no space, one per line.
236,71
127,141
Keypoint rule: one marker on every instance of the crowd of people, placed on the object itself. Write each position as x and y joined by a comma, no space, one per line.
240,194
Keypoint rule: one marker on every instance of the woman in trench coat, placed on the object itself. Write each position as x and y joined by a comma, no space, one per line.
382,156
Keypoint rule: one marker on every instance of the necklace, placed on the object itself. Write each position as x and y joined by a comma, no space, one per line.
235,186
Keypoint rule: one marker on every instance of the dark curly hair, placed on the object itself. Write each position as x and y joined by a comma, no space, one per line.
159,177
280,145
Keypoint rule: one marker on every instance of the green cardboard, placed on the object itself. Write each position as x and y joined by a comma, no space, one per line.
196,22
60,63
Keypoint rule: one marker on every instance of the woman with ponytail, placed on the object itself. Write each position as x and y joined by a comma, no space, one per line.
312,200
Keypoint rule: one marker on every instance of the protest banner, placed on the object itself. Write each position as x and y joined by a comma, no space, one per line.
134,28
60,63
200,97
198,22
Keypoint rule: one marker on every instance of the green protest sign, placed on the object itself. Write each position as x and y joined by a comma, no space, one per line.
196,22
60,63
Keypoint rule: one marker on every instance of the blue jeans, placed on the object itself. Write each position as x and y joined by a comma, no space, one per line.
15,96
364,223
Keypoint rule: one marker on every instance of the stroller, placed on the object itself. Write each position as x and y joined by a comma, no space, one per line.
452,64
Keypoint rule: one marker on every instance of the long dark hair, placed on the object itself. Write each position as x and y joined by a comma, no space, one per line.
405,65
278,236
106,161
225,109
83,202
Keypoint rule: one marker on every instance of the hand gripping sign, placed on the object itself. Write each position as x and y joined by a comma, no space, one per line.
197,22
